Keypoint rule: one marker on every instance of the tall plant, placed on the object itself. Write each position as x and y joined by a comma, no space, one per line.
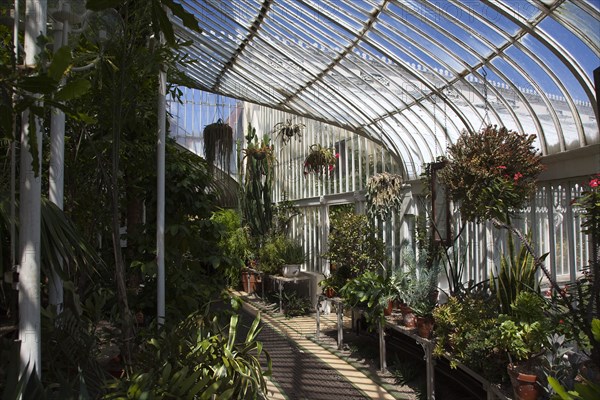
257,178
354,247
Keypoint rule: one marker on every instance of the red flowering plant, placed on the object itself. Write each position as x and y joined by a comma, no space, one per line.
589,203
320,160
492,173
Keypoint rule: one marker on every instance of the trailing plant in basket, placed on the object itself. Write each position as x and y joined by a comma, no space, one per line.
320,160
218,145
384,194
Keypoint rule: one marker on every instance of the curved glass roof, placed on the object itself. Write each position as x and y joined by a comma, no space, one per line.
410,74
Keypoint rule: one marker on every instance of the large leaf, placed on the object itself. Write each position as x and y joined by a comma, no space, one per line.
42,84
61,241
60,62
189,20
161,19
73,89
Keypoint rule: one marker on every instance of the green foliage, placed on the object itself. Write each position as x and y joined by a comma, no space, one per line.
524,333
421,291
234,243
517,274
374,291
491,172
463,331
278,250
585,390
257,173
35,89
354,246
294,305
198,359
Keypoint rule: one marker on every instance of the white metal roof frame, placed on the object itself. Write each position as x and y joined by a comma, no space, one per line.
410,74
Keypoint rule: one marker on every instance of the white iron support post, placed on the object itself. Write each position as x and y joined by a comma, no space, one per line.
57,158
160,201
30,211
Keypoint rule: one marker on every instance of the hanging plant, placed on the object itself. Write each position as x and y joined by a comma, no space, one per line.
320,160
218,145
491,172
384,194
288,130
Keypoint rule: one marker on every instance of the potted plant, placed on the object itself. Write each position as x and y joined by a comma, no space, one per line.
384,194
293,256
281,255
523,334
320,160
256,175
329,286
491,172
421,293
375,292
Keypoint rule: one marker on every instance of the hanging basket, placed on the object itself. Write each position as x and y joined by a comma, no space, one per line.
320,160
218,145
384,194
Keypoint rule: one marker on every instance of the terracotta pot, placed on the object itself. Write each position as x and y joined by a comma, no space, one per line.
249,287
329,292
425,326
389,308
527,388
409,319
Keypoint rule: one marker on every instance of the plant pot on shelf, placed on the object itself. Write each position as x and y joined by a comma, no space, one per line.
291,270
248,282
524,384
329,292
425,326
388,309
409,319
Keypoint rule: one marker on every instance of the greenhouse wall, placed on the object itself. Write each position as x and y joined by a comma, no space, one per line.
552,221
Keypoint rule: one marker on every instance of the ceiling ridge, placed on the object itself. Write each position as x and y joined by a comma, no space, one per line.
342,54
253,31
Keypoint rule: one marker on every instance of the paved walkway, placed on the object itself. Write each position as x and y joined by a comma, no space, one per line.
302,369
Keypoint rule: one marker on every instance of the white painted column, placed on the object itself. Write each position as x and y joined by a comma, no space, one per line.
30,210
160,200
56,172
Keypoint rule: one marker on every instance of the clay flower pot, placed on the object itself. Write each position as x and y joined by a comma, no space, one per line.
524,384
527,388
425,326
329,292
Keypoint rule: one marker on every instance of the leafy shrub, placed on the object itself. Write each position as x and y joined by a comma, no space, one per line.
353,247
463,329
197,359
491,172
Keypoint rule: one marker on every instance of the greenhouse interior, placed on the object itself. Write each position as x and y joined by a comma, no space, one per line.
300,199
